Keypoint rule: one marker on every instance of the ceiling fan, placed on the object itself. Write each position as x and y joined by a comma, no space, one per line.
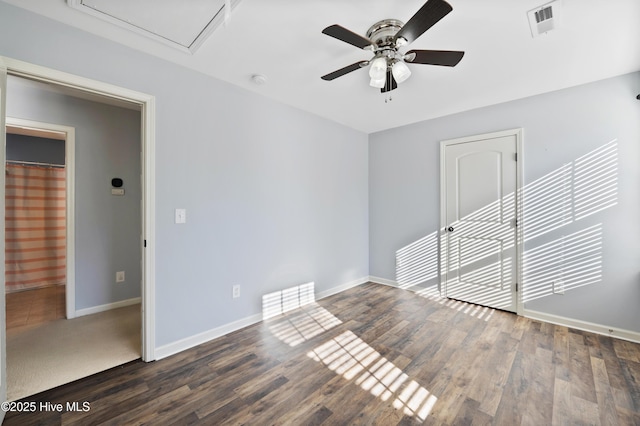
386,37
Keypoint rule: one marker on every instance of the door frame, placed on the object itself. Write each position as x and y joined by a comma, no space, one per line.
518,133
147,245
67,133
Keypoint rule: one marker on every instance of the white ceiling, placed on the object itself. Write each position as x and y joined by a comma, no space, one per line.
282,40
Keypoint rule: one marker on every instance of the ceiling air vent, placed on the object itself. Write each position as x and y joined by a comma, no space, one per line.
180,24
544,18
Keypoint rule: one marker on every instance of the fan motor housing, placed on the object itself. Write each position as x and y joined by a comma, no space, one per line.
382,32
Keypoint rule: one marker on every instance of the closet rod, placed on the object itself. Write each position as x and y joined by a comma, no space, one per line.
35,163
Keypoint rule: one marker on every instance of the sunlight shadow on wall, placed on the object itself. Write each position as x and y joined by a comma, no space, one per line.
548,202
353,359
566,263
596,181
417,262
576,190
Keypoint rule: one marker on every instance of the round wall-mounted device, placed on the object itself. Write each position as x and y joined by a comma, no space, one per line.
116,182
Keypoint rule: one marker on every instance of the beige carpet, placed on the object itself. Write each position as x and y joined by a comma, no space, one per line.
58,352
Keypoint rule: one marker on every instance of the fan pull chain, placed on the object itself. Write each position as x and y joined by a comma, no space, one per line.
387,96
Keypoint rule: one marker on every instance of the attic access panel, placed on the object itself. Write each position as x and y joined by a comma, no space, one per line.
180,24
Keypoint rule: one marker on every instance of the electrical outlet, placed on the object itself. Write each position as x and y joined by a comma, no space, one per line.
120,276
236,291
558,287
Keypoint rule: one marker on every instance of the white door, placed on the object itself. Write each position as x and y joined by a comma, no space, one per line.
479,202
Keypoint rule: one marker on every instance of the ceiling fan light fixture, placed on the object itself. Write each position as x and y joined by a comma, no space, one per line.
400,71
378,83
388,67
378,69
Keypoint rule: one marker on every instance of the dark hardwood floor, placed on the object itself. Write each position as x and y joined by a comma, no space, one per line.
371,355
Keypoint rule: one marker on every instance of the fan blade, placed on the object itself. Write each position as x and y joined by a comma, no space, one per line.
343,34
345,70
390,83
428,15
447,58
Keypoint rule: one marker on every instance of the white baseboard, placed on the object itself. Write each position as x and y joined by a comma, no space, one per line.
383,281
341,288
632,336
198,339
107,307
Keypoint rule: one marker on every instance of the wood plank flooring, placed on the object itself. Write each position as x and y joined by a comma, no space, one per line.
30,308
371,355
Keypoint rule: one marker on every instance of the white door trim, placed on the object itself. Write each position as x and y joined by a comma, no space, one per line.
518,133
147,103
68,133
3,316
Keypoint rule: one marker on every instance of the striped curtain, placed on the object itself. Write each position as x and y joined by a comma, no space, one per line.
35,249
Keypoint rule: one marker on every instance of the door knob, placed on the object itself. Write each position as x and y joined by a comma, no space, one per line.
450,229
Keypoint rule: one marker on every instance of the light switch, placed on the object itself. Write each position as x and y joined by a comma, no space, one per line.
181,216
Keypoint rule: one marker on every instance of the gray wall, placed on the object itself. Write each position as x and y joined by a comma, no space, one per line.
108,228
275,197
581,153
35,149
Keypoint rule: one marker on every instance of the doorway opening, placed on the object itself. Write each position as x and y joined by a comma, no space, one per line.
44,350
40,226
89,89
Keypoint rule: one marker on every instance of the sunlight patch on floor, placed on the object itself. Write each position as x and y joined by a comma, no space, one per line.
302,325
481,312
355,360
